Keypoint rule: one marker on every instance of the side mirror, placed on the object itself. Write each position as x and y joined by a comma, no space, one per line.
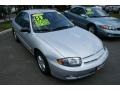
25,30
83,15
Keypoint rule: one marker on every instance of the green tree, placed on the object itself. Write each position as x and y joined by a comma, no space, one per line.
3,12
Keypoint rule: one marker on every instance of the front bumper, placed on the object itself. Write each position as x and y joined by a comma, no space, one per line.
86,69
108,33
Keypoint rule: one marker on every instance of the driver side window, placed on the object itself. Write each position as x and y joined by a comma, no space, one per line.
18,18
81,11
74,10
26,21
78,11
23,20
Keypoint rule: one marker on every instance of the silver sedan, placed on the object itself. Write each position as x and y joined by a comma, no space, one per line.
61,49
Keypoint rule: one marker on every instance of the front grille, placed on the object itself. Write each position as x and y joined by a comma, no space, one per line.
92,54
93,59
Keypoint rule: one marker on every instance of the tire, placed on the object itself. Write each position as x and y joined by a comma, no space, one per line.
15,36
42,63
92,29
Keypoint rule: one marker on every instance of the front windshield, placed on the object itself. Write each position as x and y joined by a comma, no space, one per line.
95,12
49,21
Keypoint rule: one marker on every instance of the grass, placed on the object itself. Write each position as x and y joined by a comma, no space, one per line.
5,25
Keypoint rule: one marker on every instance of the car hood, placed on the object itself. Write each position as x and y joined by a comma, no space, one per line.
72,42
106,21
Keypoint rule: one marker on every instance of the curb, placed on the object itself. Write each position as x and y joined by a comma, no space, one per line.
5,31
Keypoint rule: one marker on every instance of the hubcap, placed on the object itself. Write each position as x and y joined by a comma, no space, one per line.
91,29
15,35
41,63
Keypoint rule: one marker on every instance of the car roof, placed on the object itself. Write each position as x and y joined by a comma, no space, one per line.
79,6
84,7
32,11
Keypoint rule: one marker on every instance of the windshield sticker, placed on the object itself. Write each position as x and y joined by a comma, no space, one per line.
40,20
89,11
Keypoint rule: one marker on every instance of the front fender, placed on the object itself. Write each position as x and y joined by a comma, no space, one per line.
47,50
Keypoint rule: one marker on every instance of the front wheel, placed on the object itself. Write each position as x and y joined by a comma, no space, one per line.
15,36
42,62
92,29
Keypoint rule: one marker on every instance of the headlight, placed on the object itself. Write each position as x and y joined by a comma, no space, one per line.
70,61
106,27
103,26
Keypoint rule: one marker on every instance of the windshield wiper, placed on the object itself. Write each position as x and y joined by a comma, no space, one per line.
51,30
44,30
99,16
62,27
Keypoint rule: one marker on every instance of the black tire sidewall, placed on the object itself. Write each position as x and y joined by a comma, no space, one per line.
14,35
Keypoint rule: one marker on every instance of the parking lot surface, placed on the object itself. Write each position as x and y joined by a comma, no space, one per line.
18,66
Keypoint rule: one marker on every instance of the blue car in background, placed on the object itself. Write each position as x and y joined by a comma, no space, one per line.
94,20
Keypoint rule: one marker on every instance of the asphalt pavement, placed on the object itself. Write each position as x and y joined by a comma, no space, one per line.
18,66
